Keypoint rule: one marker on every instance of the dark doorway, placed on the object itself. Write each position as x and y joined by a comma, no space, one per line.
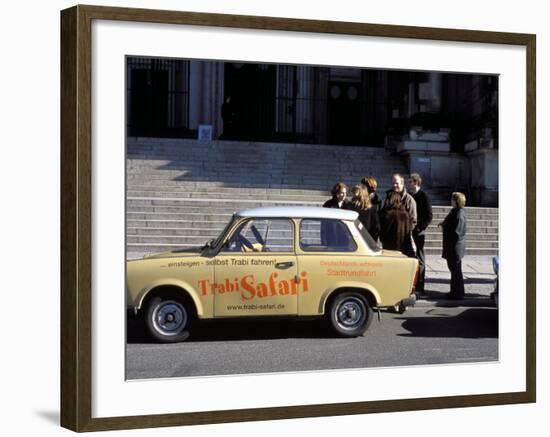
149,102
251,88
344,113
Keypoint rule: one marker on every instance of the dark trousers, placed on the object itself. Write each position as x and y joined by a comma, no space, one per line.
407,246
457,280
419,241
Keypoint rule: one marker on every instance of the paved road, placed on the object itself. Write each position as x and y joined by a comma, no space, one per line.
435,331
423,335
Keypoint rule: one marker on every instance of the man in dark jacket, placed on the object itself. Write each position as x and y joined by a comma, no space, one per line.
424,217
454,243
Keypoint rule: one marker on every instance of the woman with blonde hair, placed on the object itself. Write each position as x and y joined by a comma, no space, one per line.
370,183
361,202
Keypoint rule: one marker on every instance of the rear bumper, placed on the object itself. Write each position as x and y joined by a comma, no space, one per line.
408,302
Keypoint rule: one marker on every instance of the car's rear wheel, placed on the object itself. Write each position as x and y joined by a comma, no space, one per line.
168,319
350,314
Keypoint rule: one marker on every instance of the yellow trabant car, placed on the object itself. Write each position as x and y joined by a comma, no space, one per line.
278,261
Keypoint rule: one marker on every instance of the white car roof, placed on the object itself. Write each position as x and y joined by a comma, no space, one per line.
299,212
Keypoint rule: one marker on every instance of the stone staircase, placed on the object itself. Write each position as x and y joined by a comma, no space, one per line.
181,193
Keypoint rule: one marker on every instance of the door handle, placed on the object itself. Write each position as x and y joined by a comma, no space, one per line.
284,266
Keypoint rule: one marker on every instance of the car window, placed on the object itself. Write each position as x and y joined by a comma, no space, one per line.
325,235
367,237
263,235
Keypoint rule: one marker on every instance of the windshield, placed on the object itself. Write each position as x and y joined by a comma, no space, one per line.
373,245
215,243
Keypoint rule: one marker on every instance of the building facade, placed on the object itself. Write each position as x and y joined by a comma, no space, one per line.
445,125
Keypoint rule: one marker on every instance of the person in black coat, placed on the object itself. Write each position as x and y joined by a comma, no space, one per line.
424,217
338,200
368,215
454,243
330,237
229,117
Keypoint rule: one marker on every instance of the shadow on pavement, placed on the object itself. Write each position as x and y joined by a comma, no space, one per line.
470,299
251,329
470,323
466,280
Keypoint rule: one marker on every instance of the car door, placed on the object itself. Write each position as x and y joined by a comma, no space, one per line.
255,271
327,253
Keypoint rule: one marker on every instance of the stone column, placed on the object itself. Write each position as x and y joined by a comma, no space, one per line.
195,93
304,113
484,177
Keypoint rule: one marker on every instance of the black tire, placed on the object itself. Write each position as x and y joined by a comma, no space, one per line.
350,315
168,320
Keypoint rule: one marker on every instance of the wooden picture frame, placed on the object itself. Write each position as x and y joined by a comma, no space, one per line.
76,217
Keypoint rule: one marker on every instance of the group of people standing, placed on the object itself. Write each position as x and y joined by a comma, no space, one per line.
400,220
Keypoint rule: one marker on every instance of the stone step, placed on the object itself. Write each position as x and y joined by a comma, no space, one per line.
217,171
177,209
220,224
279,162
219,190
193,224
194,196
137,250
247,148
183,204
205,198
203,217
227,207
201,239
206,216
320,181
470,215
182,193
235,185
209,164
226,210
175,228
490,244
222,171
195,232
470,236
212,232
314,165
492,251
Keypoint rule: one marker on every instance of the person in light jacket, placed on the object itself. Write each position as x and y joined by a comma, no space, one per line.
454,243
408,203
395,225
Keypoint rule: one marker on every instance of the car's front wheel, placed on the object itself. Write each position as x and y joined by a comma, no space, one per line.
168,320
350,314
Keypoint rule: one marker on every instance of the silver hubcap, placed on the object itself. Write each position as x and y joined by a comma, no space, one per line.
351,313
169,318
